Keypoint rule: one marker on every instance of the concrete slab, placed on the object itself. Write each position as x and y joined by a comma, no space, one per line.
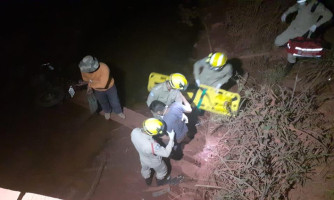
32,196
9,194
133,119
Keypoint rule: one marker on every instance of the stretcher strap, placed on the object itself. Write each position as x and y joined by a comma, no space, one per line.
201,98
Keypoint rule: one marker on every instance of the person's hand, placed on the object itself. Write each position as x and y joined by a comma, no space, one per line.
185,118
198,83
313,28
89,90
171,134
283,17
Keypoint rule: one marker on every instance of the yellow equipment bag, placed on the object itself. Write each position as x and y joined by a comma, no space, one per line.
205,97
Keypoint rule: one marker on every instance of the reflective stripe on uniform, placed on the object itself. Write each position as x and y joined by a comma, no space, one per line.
318,56
308,49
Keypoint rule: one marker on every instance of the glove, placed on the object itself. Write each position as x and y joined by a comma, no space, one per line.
198,82
283,18
218,87
185,118
171,135
313,28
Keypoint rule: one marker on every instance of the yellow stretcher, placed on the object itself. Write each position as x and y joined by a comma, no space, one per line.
154,79
205,97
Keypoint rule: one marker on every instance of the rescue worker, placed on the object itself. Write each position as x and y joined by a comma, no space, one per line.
169,91
213,70
150,152
309,17
174,117
101,82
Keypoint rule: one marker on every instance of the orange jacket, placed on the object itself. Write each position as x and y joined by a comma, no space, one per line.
99,80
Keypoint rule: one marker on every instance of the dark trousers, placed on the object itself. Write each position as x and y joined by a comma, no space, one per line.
109,100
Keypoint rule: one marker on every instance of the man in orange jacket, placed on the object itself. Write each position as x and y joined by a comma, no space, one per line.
99,79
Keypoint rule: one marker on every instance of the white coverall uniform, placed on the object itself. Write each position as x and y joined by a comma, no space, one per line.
304,20
151,153
161,93
211,77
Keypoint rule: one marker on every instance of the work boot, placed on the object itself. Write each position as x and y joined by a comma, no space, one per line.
107,116
163,181
148,181
121,115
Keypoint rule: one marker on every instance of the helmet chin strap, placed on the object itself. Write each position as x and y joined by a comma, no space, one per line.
217,68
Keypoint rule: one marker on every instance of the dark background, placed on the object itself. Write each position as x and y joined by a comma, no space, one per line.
41,148
133,37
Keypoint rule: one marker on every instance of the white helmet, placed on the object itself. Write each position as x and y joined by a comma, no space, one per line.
88,64
302,2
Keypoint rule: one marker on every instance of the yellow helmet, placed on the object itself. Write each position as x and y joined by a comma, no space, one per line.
153,126
217,60
178,81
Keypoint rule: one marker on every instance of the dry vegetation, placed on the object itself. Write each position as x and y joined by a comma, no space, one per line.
321,73
274,143
278,137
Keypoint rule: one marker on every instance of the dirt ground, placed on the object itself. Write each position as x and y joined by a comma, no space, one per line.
68,153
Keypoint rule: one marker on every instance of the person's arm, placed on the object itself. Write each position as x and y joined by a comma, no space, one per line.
197,68
325,13
151,97
165,151
154,94
292,9
86,77
186,105
228,72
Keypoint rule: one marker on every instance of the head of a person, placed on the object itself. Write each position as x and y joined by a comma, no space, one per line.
216,60
158,107
154,127
89,64
177,81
